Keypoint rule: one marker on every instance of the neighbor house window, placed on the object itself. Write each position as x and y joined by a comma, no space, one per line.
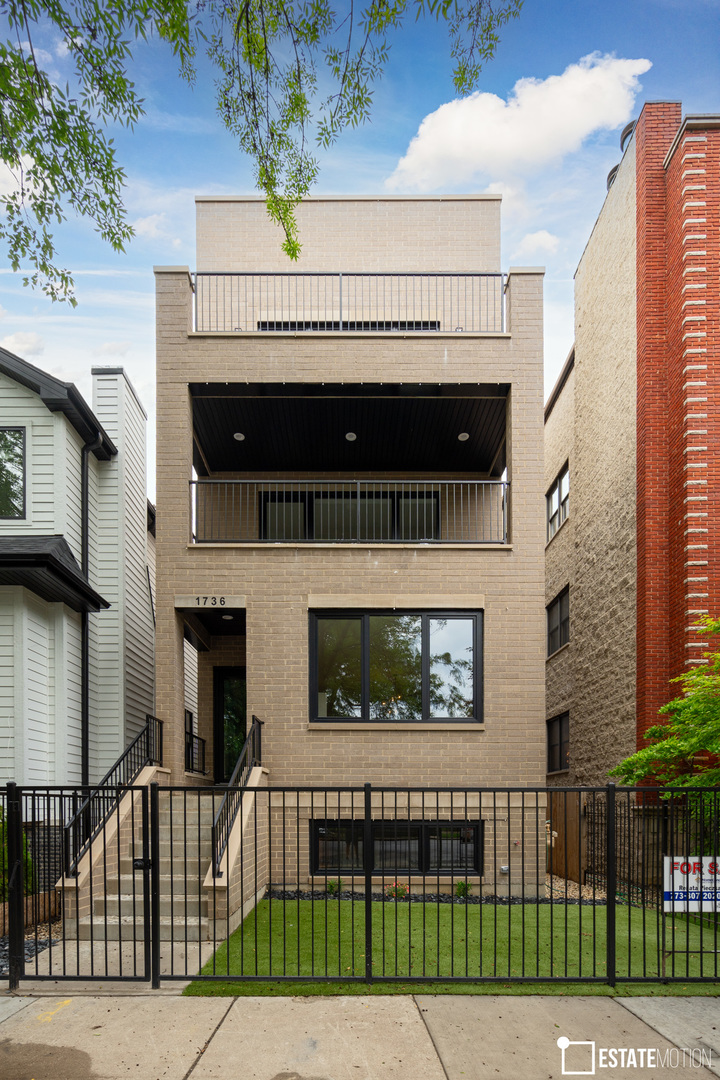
398,846
12,472
558,622
558,501
398,667
558,743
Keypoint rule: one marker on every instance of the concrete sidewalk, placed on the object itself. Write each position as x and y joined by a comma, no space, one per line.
423,1037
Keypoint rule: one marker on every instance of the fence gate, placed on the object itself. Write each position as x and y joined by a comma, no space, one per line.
78,903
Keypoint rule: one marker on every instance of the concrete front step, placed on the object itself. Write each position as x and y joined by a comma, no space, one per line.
128,929
181,871
129,884
178,906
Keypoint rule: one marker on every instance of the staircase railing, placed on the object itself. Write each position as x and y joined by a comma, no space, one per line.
89,818
250,756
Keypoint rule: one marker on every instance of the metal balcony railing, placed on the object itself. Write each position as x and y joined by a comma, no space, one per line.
349,511
380,303
194,753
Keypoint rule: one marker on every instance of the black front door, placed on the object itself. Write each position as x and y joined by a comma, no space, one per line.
229,724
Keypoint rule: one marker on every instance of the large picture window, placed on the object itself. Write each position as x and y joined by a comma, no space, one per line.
396,667
398,846
12,472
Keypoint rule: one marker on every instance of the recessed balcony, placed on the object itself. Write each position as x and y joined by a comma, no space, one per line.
304,463
349,303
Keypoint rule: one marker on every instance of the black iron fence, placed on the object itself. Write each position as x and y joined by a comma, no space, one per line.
366,884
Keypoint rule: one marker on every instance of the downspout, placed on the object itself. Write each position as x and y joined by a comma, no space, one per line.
85,625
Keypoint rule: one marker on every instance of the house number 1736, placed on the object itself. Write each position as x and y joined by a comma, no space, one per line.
210,601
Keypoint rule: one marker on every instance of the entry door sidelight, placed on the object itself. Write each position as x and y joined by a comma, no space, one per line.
229,716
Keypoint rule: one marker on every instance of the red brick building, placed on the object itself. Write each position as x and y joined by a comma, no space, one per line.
636,418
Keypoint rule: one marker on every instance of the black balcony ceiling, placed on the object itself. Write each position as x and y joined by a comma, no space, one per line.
398,428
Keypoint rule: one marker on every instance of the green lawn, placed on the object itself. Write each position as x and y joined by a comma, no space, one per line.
309,938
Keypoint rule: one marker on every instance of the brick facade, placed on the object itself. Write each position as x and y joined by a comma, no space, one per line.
281,583
652,259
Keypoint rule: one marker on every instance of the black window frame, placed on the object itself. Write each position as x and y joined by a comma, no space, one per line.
309,498
558,517
23,431
364,617
558,608
382,829
558,740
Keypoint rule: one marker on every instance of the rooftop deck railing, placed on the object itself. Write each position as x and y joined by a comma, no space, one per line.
349,511
380,303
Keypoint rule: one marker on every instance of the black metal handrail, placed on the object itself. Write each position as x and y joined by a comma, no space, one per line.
250,756
194,753
145,749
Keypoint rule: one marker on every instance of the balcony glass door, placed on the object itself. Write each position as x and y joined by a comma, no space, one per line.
229,714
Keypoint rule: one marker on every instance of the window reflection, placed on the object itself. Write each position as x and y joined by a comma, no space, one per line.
451,667
395,667
339,668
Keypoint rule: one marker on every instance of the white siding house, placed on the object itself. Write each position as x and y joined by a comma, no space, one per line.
76,615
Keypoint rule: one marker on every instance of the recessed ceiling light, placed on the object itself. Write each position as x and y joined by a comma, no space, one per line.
350,436
463,436
239,436
229,618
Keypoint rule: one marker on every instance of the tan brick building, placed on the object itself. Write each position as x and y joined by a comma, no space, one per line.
350,512
634,418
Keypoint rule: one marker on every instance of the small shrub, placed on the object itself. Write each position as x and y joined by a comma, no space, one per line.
463,890
398,890
334,886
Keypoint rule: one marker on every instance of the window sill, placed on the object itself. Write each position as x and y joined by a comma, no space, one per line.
360,725
558,651
558,772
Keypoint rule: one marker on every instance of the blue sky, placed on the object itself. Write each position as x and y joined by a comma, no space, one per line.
543,129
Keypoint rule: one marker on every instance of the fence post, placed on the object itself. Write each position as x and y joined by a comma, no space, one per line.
154,887
367,867
16,882
611,885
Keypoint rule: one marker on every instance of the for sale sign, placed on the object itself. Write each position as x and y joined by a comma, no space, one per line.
692,883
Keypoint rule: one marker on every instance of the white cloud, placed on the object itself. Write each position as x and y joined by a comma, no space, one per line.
541,242
114,348
541,122
151,226
24,344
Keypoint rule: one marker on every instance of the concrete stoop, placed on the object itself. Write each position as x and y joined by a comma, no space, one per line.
117,911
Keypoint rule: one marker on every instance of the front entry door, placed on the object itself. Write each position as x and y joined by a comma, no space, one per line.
229,716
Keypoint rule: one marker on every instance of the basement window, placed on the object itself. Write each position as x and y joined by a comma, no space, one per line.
398,846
